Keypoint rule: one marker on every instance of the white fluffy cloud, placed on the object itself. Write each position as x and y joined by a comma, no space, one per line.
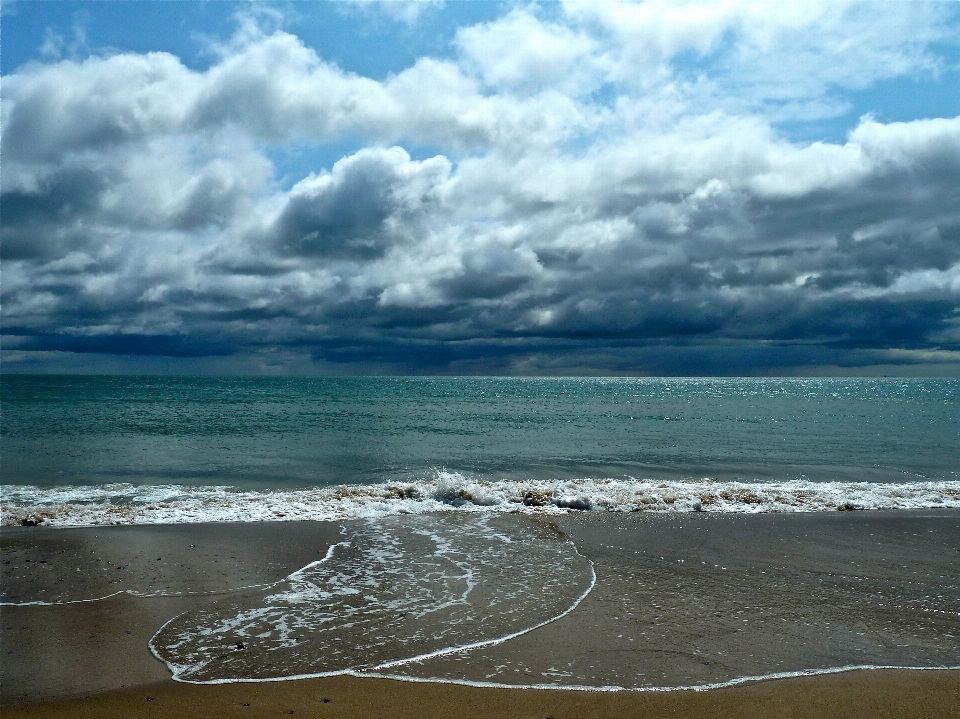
588,191
521,53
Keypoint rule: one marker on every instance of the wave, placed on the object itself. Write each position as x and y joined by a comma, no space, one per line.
736,681
394,592
452,491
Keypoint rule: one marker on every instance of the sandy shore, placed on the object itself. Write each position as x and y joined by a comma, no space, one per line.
880,694
679,600
699,599
84,646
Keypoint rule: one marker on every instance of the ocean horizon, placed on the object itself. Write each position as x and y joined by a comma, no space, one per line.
94,449
441,529
355,349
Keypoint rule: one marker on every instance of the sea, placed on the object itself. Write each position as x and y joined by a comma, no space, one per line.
80,450
445,487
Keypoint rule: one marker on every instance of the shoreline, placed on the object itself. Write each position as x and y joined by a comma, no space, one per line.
698,593
730,684
910,694
93,506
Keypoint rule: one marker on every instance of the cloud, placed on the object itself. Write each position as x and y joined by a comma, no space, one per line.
519,52
369,202
270,88
561,193
51,111
788,58
406,11
46,219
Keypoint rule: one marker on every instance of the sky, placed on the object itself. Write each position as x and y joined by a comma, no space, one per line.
563,188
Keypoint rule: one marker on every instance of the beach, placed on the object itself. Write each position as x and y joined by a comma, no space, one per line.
683,600
886,694
538,359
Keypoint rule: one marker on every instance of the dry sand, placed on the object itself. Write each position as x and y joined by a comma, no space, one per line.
787,588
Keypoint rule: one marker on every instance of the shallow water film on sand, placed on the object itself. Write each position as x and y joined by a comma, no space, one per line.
598,601
604,600
392,590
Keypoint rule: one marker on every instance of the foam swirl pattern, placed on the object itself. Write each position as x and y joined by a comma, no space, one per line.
394,590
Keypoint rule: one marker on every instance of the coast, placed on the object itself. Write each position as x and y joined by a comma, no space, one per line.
691,599
893,694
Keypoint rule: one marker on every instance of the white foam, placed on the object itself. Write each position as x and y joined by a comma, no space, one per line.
136,593
672,688
451,491
399,591
497,640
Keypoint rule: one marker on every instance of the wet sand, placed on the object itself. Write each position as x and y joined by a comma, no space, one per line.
681,599
51,565
877,694
698,599
89,646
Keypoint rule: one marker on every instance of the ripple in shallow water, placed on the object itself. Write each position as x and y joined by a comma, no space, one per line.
394,589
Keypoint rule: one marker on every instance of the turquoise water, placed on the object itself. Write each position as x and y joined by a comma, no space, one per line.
448,493
263,433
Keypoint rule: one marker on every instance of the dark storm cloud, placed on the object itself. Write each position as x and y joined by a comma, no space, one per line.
489,274
672,231
560,357
47,219
161,345
344,214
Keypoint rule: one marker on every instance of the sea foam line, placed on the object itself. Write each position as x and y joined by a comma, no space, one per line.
150,595
326,557
451,491
139,595
386,665
498,640
687,687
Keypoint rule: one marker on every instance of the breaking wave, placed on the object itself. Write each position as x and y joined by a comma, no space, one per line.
452,491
